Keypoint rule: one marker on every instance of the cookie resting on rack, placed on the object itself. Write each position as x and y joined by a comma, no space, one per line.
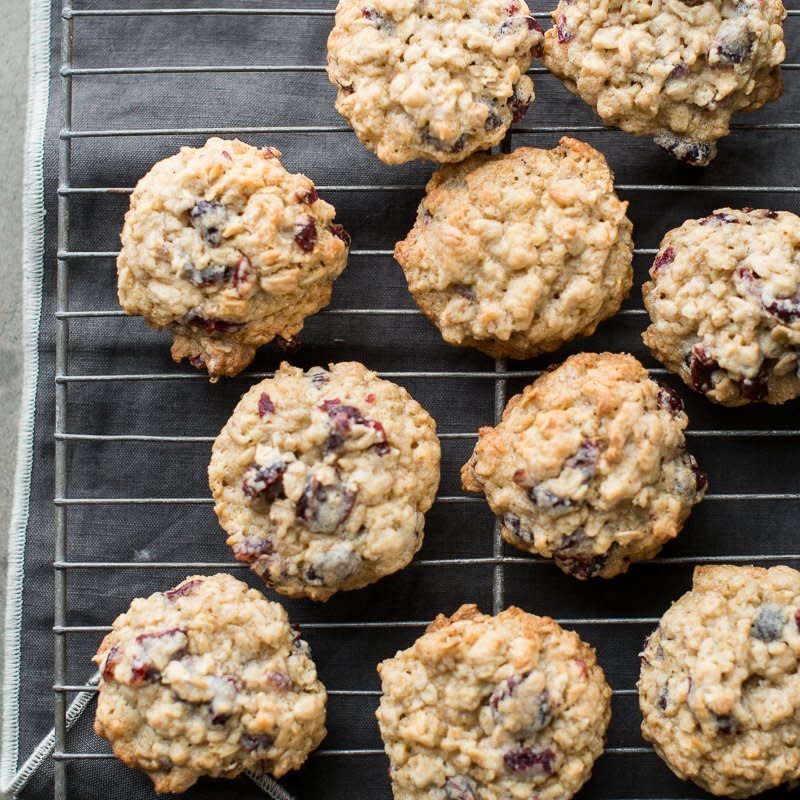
589,466
720,681
489,708
724,300
517,254
322,479
676,70
432,79
208,679
227,250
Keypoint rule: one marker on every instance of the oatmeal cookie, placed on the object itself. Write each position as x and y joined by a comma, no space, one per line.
677,70
589,466
720,681
724,300
210,679
432,79
322,479
516,254
228,250
511,706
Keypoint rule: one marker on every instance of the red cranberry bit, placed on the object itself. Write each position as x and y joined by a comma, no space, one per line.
241,274
697,154
585,459
669,399
701,368
113,656
323,509
143,670
506,689
305,234
252,548
220,719
511,9
197,362
182,589
733,43
663,260
264,483
258,743
381,22
700,476
320,377
210,276
459,144
797,619
265,405
519,107
530,761
726,724
279,680
340,233
663,698
493,121
575,557
680,70
564,34
308,198
756,389
197,319
342,418
370,398
786,309
460,787
582,665
719,218
207,218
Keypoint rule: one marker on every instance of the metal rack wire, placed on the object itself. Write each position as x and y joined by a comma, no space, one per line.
499,376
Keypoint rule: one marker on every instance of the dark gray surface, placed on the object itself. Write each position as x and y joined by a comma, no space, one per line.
346,658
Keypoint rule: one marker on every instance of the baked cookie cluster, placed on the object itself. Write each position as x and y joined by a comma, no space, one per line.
676,70
517,254
434,79
589,466
322,479
493,707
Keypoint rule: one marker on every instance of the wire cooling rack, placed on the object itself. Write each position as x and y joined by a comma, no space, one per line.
747,517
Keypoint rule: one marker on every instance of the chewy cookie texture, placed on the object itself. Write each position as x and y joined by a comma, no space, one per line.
517,254
510,706
720,681
589,466
434,79
724,300
676,70
210,679
322,478
227,250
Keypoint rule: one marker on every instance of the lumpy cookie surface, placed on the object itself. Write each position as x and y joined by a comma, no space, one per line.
672,69
490,708
720,681
432,79
208,678
724,303
589,466
516,254
322,479
227,250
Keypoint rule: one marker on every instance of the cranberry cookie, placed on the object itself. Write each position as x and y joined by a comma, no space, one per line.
432,79
677,70
724,299
493,708
208,678
589,466
228,250
516,254
322,479
720,681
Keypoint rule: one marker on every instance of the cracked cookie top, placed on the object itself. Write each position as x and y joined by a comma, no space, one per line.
322,479
589,466
724,300
432,79
720,681
208,678
490,708
676,70
516,254
228,250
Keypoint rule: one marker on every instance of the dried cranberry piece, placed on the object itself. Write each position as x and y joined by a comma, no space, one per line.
342,418
321,508
493,121
111,660
756,389
305,233
511,25
264,483
697,154
340,232
207,217
680,70
252,548
308,198
797,619
585,459
143,670
530,761
564,34
669,399
241,273
319,377
265,405
381,22
663,698
182,589
279,680
210,276
334,566
257,742
197,319
786,309
700,476
575,556
460,787
702,366
459,144
769,622
720,218
733,43
220,719
519,107
726,724
663,259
